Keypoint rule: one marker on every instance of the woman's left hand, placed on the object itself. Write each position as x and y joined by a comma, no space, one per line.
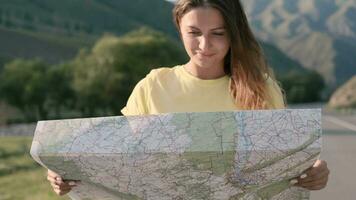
314,178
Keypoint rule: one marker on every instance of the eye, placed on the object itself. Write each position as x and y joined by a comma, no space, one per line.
194,33
219,33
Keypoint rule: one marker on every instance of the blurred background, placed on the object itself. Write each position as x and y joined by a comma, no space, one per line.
82,58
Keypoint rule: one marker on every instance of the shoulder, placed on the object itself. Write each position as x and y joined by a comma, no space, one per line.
153,76
138,102
156,76
161,73
275,93
272,83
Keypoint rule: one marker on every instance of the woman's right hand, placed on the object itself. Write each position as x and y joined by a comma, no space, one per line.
60,186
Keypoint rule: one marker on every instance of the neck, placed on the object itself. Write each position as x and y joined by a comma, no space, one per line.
205,73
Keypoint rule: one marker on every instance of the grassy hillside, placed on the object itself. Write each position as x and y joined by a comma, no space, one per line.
56,30
3,60
87,16
20,176
25,44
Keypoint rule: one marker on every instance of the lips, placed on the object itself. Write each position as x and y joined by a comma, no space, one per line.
205,54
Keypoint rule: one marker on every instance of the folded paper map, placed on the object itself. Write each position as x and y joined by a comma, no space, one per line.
216,155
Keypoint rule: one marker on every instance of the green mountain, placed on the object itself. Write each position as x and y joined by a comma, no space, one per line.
320,34
86,16
25,44
55,30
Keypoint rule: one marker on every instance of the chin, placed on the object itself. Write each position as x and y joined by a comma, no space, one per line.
204,63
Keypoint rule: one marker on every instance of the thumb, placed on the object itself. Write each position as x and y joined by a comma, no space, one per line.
317,163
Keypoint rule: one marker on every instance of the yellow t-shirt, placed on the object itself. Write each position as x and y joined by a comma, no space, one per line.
171,90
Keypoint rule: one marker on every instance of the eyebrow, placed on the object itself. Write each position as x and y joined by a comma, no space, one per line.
218,28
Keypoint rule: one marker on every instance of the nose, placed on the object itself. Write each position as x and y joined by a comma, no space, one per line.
204,43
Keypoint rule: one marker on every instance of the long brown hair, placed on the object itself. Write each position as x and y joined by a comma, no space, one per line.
245,61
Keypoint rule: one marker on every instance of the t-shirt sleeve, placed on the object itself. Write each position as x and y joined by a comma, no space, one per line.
276,95
137,102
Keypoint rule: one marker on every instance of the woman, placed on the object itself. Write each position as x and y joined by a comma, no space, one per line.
226,71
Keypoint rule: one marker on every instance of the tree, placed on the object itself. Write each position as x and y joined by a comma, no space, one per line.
105,76
28,18
60,92
23,85
302,87
97,82
94,82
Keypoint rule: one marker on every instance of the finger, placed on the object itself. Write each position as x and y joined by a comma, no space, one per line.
61,192
61,187
66,184
59,181
52,174
318,176
318,187
318,166
322,181
66,187
51,179
315,187
54,186
317,170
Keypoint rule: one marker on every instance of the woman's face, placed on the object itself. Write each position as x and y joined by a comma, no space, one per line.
205,37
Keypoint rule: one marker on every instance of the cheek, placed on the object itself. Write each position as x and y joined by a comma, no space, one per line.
190,44
223,45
